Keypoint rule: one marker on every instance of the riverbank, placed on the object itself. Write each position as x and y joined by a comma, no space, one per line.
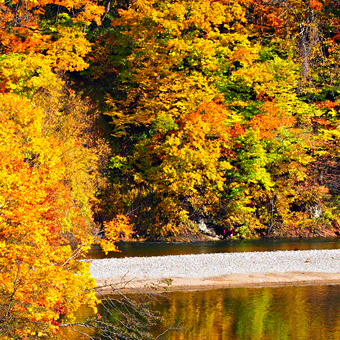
221,270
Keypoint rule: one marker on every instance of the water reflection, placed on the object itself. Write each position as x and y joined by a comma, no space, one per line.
309,312
129,249
77,332
294,313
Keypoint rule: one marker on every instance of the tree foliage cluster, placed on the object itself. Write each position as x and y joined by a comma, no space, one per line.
52,157
223,113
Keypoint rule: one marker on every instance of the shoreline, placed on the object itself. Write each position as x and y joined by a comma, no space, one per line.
214,271
223,282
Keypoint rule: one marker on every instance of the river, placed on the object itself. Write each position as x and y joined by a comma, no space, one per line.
269,313
297,313
130,249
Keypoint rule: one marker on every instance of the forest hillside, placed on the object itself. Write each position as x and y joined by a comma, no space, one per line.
219,114
157,119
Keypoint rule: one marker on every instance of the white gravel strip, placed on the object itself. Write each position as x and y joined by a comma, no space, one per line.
214,265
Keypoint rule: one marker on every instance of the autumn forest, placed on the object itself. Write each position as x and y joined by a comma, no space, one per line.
150,118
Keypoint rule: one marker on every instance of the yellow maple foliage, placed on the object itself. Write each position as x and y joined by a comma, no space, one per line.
114,230
32,53
179,50
39,279
184,132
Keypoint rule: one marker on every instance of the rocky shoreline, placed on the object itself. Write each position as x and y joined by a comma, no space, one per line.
205,271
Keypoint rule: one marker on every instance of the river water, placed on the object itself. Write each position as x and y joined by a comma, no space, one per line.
269,313
130,249
280,313
297,313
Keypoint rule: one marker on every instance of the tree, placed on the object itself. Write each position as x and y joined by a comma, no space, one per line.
50,169
39,279
168,114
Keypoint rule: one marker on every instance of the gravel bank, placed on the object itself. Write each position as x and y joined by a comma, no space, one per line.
223,269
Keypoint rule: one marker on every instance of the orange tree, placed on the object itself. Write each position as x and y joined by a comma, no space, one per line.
47,191
39,279
49,170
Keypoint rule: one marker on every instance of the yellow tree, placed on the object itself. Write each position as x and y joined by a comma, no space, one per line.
48,180
171,116
39,279
49,170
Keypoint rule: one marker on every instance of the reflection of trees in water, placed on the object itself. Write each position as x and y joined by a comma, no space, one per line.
121,317
304,313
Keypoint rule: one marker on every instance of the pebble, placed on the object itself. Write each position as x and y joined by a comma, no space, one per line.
217,264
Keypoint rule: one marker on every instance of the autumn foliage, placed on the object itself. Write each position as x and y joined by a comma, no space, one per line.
51,156
218,113
214,113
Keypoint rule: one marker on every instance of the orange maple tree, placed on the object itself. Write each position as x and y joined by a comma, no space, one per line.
39,279
49,170
48,177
